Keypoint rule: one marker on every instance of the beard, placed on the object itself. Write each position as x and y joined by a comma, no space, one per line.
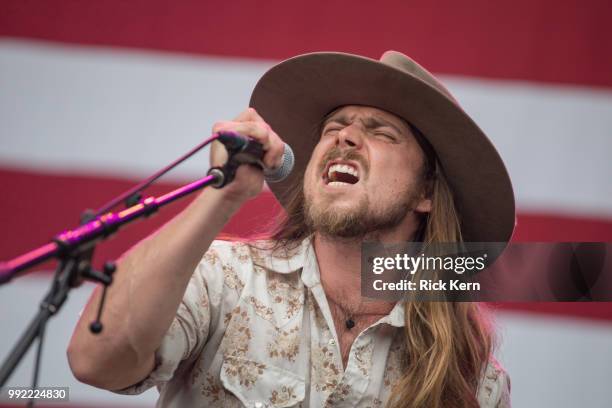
361,219
357,221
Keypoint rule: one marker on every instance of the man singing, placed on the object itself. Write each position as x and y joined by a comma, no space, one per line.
383,153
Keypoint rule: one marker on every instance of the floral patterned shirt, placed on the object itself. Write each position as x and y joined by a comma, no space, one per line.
256,330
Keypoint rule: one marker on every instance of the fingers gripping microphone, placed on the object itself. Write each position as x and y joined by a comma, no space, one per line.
281,172
242,150
245,150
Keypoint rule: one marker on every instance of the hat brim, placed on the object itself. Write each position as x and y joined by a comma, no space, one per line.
295,95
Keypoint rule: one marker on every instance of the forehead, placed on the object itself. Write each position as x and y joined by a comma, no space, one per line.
365,112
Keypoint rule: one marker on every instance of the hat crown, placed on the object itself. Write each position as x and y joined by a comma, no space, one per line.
406,64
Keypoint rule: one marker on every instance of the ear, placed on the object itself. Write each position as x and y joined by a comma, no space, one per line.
424,206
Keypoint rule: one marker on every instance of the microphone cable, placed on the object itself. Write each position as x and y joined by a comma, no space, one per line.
132,196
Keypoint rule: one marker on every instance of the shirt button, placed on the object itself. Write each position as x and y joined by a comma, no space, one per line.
259,404
332,342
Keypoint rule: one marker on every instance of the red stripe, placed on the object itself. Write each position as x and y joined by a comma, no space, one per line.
597,311
541,40
545,227
41,205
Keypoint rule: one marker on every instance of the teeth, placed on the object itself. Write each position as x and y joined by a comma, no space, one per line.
342,168
338,183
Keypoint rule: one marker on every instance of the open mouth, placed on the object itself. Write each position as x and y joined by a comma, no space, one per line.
338,175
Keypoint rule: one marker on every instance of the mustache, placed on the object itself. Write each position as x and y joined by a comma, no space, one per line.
347,155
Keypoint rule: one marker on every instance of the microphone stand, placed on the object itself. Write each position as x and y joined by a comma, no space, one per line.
74,249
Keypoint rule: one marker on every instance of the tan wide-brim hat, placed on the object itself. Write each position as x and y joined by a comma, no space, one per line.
295,95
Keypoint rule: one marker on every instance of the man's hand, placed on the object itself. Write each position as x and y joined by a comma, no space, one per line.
249,179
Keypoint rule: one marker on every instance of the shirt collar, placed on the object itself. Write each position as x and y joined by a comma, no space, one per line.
282,260
396,317
303,257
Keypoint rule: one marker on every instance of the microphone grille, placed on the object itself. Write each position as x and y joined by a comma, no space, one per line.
282,171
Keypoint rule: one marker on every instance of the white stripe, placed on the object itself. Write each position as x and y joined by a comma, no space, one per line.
556,362
19,303
114,112
556,141
129,113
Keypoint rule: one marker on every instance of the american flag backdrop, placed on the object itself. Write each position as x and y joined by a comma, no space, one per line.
97,95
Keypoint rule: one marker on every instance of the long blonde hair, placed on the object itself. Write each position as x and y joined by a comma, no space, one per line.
448,344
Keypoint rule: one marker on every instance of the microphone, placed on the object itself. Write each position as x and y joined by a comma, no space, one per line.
249,151
282,171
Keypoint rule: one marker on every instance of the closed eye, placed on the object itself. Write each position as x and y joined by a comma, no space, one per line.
386,135
329,129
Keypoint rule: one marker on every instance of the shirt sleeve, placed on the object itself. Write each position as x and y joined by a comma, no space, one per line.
494,390
187,333
504,398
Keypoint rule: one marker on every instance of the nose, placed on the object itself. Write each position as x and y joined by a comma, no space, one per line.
350,136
